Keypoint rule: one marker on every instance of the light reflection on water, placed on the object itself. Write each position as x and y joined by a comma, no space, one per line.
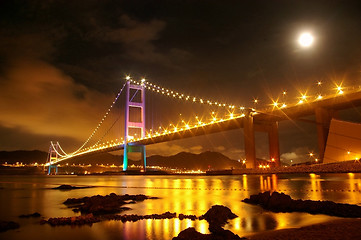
181,194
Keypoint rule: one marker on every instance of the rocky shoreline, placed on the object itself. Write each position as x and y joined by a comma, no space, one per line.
104,208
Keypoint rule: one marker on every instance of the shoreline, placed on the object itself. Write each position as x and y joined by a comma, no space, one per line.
335,229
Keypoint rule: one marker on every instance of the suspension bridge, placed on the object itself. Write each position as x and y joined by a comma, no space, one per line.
250,119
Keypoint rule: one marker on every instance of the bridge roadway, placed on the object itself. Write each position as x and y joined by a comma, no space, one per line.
263,121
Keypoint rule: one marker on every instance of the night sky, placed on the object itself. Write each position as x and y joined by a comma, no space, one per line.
63,62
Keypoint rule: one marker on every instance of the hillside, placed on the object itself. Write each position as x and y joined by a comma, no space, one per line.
23,156
202,161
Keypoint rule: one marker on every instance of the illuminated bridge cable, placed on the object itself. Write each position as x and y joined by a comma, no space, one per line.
181,96
100,123
106,133
55,149
61,149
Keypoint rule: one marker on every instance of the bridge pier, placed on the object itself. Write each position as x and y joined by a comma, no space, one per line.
134,148
249,140
323,121
273,141
53,157
53,167
249,128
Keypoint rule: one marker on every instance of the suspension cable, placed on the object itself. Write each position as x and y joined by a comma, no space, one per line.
100,123
106,133
54,148
61,149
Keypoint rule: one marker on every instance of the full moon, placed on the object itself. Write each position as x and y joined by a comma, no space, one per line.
305,39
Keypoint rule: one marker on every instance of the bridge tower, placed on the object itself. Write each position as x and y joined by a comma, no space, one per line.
134,121
53,157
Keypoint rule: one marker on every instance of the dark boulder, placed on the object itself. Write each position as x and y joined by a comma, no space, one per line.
217,216
279,202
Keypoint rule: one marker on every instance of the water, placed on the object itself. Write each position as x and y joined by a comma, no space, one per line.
181,194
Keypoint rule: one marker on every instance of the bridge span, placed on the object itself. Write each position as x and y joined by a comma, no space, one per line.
252,121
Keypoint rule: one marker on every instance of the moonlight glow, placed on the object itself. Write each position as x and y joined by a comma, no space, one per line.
305,40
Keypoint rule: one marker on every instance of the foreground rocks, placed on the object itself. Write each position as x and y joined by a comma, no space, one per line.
217,216
280,202
7,225
99,205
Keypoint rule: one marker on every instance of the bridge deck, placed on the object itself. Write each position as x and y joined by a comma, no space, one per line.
261,120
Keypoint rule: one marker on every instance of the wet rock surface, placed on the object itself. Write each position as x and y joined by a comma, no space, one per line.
69,187
280,202
99,205
7,225
32,215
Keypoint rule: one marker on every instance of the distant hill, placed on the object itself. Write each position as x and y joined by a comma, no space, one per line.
201,161
23,156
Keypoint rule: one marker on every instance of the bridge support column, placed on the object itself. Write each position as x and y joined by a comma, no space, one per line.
249,140
135,100
53,157
273,141
323,121
134,148
53,167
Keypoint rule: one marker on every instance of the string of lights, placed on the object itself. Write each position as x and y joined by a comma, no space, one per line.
181,96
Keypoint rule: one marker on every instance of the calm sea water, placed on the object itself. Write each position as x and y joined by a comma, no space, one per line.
181,194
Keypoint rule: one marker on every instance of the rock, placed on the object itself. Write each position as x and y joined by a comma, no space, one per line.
7,225
280,202
69,187
35,214
88,219
100,205
192,234
217,216
135,217
183,216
